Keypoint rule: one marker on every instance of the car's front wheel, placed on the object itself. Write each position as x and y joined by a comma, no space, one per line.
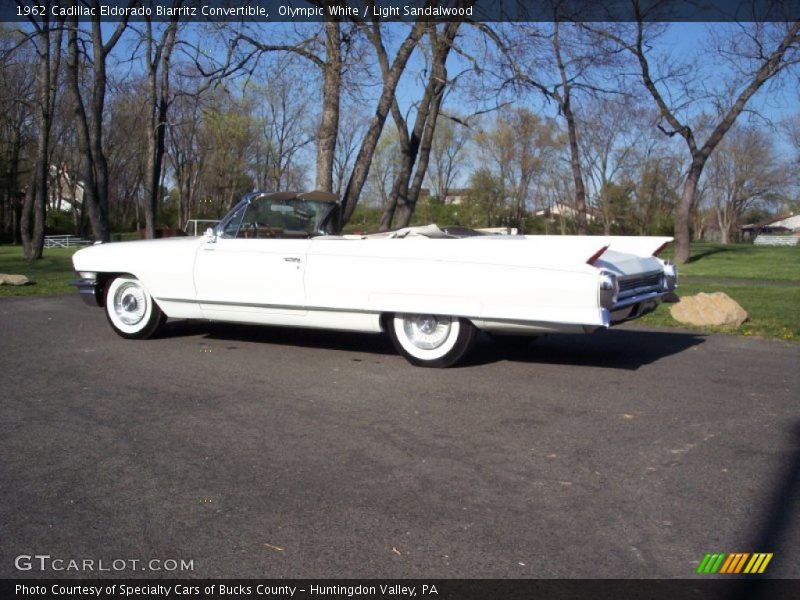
431,340
131,310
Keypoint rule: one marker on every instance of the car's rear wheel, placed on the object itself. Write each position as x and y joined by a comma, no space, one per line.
431,340
131,310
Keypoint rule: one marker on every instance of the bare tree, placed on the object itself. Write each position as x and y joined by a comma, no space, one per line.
447,154
612,131
351,133
285,128
126,148
758,51
185,153
65,184
328,131
654,194
326,50
88,112
742,172
47,41
416,144
791,129
228,134
17,127
391,71
517,150
385,165
158,55
559,61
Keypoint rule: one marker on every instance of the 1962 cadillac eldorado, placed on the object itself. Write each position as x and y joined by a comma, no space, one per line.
278,259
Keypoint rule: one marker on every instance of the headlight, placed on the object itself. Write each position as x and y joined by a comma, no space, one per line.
87,274
609,289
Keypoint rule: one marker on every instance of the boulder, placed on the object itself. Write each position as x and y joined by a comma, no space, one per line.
13,279
717,309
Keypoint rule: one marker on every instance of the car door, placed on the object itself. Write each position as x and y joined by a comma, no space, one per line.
249,269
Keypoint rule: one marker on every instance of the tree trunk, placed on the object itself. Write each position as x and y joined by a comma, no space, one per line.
725,219
331,92
363,161
89,127
405,194
9,219
35,206
158,58
25,221
575,164
684,211
97,156
565,104
152,169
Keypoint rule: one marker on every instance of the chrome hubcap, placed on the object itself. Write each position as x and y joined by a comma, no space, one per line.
130,304
426,331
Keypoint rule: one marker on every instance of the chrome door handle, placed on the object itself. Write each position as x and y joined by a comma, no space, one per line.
293,259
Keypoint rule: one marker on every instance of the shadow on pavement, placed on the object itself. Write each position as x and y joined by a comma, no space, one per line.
286,336
614,349
775,525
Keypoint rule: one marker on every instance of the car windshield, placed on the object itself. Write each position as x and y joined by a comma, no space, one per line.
265,217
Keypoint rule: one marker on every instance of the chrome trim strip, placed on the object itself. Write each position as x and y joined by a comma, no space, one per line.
635,285
274,306
645,275
346,310
638,298
89,290
606,312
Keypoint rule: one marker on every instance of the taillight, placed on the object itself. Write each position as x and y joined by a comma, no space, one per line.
596,255
660,249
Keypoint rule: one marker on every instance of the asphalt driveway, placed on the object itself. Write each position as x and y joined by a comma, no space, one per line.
262,452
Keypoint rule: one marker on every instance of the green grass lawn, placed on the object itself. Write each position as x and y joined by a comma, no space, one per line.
773,311
765,281
49,275
741,261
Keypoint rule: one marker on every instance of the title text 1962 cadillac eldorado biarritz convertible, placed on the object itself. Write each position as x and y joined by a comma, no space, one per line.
278,259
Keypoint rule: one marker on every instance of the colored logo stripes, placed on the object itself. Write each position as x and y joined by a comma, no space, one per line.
739,562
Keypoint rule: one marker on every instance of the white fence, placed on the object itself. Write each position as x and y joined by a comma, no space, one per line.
64,241
777,240
195,227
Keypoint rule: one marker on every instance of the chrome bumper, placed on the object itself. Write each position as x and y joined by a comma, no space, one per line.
90,291
639,305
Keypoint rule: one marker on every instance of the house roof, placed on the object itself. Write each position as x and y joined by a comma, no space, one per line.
793,222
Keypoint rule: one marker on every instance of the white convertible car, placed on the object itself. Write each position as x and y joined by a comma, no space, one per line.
277,259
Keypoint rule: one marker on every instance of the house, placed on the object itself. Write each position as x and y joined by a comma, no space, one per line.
785,224
66,192
560,210
456,196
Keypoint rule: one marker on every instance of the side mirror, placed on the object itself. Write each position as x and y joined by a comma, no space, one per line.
211,235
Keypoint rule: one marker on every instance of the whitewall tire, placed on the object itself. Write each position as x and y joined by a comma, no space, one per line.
131,310
431,340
